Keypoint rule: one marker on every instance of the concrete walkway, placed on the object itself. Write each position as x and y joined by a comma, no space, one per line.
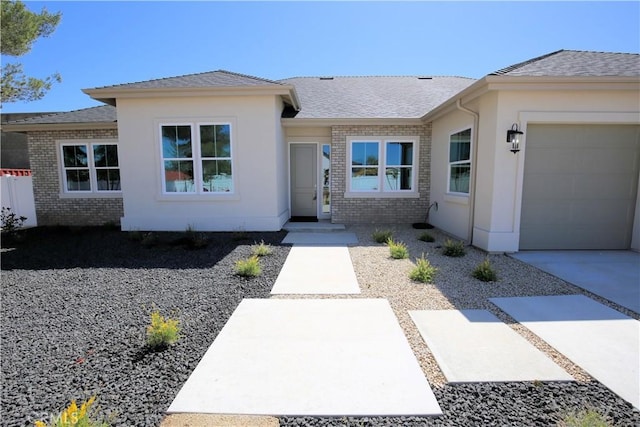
318,264
350,357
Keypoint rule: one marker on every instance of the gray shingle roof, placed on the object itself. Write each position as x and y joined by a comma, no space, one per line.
219,78
573,63
372,97
100,114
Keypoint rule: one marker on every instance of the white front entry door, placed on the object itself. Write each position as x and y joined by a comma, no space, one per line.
304,180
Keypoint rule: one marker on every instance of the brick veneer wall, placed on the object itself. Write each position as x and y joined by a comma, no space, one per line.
51,209
378,210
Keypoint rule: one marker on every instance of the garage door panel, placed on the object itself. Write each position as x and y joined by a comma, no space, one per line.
605,160
579,186
553,161
541,213
603,187
607,214
548,186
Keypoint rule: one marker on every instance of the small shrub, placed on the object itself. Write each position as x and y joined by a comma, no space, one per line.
426,237
398,250
261,249
11,222
162,333
381,236
135,236
585,418
149,239
72,416
423,271
240,235
249,267
485,272
195,240
453,248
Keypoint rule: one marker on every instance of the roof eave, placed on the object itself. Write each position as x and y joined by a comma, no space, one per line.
310,122
494,83
109,95
26,127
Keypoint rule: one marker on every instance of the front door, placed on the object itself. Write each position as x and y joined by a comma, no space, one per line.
304,180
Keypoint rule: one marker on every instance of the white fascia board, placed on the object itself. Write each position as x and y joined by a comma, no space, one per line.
108,95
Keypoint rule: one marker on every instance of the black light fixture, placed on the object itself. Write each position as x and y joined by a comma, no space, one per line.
513,138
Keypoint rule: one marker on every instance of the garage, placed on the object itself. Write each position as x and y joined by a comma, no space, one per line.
579,186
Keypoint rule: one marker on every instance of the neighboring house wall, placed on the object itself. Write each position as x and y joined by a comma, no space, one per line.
257,146
383,208
499,181
53,207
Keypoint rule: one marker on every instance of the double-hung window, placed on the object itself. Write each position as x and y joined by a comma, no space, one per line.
459,162
197,158
383,165
90,167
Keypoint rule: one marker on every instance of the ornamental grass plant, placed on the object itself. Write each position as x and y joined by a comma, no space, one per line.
162,332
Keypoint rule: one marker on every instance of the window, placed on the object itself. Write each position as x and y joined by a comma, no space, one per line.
196,158
382,165
459,162
90,167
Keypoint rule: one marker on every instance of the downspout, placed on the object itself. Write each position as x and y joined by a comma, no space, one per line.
474,164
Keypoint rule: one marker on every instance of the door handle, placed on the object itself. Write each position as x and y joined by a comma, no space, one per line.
315,196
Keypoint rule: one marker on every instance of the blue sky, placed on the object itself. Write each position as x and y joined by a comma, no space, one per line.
104,43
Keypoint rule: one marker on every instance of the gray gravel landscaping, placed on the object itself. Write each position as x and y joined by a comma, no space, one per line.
75,304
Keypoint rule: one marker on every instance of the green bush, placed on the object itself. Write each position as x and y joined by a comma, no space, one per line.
423,271
162,333
585,418
249,267
261,249
426,237
453,248
398,250
381,236
485,272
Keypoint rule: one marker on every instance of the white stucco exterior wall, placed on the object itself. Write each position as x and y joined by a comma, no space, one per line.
498,198
258,202
452,214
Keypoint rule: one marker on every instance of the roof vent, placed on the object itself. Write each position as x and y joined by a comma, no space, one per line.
326,78
425,78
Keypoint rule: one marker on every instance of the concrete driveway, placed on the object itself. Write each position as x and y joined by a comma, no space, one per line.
614,275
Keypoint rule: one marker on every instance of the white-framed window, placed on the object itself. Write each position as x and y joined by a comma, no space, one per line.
382,164
197,158
90,167
459,162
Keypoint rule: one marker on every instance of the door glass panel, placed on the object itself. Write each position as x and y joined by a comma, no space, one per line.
326,178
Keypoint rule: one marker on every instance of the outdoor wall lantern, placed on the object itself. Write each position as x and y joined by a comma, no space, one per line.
513,138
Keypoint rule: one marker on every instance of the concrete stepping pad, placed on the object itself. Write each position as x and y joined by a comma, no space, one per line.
475,346
603,341
317,270
308,357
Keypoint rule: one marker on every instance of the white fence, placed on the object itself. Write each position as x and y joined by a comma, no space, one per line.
17,193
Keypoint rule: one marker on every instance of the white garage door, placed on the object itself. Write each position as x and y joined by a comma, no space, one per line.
580,186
